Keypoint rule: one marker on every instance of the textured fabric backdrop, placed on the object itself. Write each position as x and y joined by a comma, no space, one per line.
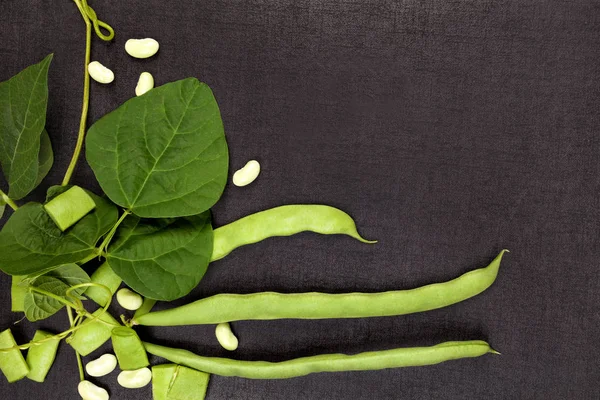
448,129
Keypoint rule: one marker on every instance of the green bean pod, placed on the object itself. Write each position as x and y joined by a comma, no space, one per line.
271,305
373,360
282,221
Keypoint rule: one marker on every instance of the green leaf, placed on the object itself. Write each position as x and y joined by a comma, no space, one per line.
31,243
58,281
23,101
162,259
45,157
2,207
71,274
39,306
163,154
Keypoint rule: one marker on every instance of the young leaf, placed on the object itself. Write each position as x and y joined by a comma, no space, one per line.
71,274
162,259
45,157
58,281
40,306
23,100
31,243
163,154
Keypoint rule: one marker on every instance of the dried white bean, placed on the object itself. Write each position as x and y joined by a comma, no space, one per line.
141,48
100,73
246,175
226,337
101,366
135,379
129,300
145,83
88,391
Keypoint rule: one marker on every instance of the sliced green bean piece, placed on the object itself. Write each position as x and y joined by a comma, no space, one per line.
188,384
145,308
271,305
372,360
17,293
104,275
12,362
161,380
282,221
93,334
69,207
129,349
41,357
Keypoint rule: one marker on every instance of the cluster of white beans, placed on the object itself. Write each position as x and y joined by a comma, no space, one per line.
107,363
138,48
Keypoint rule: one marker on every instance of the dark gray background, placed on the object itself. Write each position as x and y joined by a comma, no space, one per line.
448,129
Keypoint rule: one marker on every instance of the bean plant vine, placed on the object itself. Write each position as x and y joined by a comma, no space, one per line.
162,161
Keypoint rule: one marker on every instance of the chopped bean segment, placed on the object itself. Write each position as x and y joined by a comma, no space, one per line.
129,349
188,384
162,376
17,293
41,357
104,275
93,334
12,362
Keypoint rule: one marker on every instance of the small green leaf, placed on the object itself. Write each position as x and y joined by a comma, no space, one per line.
39,306
71,274
45,158
163,154
31,243
58,281
2,207
23,101
162,259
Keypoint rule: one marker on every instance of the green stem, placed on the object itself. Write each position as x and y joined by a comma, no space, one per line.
86,95
52,295
95,253
8,201
104,245
79,363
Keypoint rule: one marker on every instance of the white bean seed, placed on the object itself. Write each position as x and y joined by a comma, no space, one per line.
145,83
135,379
246,175
88,391
100,73
129,300
141,48
101,366
226,337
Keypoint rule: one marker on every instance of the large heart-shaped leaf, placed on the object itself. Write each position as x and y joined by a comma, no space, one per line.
23,101
40,306
162,154
45,157
162,259
31,243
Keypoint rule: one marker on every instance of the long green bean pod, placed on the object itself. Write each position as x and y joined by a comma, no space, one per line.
282,221
271,305
373,360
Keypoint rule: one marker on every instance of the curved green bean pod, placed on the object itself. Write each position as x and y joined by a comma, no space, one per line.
372,360
282,221
271,305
